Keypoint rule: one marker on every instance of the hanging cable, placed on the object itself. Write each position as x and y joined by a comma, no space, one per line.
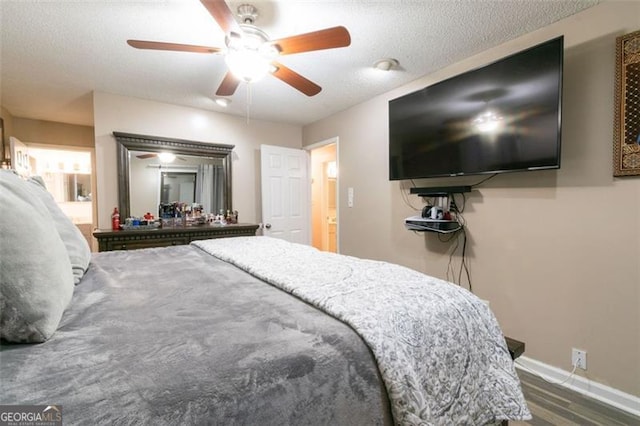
484,180
451,274
248,102
405,197
463,262
519,364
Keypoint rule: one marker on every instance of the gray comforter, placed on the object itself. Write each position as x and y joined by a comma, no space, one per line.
174,336
439,348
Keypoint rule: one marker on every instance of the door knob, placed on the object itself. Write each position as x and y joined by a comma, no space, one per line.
268,226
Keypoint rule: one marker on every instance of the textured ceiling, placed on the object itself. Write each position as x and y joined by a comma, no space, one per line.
55,53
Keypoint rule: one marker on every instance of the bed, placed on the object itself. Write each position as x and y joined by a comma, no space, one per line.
245,330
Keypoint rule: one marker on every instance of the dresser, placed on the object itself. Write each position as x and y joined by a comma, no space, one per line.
109,240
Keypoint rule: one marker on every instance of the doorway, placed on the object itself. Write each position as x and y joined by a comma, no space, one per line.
178,186
67,174
284,174
324,195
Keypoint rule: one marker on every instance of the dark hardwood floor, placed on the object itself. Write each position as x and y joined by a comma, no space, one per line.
555,405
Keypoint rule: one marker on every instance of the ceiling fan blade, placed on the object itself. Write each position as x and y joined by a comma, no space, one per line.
222,15
317,40
295,80
228,86
158,45
145,156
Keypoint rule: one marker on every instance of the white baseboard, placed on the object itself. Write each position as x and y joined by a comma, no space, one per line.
602,393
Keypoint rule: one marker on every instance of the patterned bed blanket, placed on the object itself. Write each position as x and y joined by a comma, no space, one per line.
439,349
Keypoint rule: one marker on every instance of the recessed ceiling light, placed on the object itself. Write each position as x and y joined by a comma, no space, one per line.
386,64
223,102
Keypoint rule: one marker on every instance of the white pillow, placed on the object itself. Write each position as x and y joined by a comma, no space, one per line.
36,283
77,246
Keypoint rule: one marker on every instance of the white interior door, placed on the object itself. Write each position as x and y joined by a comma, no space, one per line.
285,193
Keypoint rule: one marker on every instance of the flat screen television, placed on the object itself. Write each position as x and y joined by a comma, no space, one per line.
502,117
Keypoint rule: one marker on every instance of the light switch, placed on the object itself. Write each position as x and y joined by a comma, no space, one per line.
350,197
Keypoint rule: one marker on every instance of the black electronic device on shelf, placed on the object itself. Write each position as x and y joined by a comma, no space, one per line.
436,218
419,223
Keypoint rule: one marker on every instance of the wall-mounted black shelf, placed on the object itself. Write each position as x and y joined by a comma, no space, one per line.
418,223
440,191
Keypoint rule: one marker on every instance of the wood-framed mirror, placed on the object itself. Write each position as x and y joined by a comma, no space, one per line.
143,159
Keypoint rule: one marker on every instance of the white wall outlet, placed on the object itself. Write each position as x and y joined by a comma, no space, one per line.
579,358
350,197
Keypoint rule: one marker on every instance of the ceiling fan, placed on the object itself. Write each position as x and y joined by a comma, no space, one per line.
249,52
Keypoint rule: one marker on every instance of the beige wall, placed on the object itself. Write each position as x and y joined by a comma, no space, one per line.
132,115
556,253
52,133
46,132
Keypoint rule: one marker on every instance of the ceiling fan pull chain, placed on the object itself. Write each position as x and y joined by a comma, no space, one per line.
248,102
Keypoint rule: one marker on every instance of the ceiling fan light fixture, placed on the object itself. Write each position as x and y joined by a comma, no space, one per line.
249,55
166,157
247,65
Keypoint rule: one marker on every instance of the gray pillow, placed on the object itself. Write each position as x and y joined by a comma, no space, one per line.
36,283
77,246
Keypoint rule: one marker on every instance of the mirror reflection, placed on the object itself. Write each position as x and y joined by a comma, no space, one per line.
184,179
154,171
177,187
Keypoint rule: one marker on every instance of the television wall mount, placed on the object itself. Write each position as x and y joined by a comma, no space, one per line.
440,191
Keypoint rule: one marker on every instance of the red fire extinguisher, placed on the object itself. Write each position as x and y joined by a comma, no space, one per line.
115,219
